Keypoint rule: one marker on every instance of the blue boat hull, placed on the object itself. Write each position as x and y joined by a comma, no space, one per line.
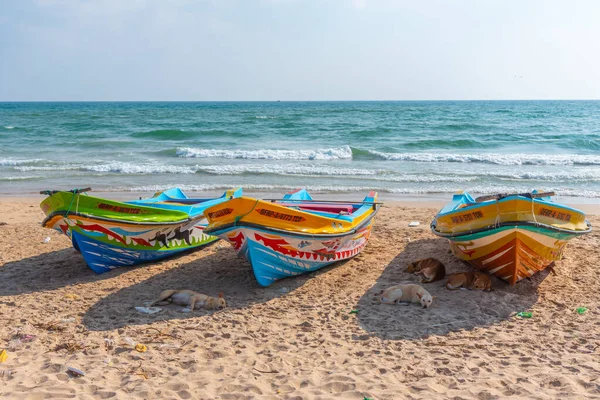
278,256
269,266
102,257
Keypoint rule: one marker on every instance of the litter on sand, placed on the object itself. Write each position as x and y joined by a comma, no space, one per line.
414,223
3,356
353,312
75,372
149,310
141,347
525,314
581,310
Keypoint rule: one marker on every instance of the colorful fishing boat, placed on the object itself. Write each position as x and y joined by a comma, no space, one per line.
293,235
512,236
112,234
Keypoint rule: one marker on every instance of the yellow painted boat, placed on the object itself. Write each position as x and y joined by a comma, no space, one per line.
293,235
512,236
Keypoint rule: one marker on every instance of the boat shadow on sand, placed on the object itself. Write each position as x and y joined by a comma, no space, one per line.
55,270
46,271
452,310
210,273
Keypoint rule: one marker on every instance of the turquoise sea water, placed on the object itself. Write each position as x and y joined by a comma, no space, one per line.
401,148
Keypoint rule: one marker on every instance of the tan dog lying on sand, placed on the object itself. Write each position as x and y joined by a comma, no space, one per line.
191,299
430,269
410,293
470,280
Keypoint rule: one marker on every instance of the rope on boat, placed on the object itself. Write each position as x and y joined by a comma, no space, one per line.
239,217
532,212
497,222
76,193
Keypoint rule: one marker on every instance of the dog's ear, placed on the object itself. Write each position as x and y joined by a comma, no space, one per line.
221,294
419,295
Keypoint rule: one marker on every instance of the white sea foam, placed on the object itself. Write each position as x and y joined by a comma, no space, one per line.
492,158
9,127
116,167
128,168
323,170
343,152
551,176
19,178
11,162
286,169
360,190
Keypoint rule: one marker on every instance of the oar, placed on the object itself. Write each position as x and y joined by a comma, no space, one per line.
503,195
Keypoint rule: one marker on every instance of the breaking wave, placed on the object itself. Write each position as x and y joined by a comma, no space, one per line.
338,153
358,190
491,158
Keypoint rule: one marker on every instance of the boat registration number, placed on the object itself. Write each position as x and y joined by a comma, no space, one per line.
472,216
282,216
555,214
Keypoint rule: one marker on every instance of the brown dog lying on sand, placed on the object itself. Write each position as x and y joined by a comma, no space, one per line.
191,299
470,280
430,269
409,293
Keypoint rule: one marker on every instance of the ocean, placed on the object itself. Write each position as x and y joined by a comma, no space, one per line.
425,149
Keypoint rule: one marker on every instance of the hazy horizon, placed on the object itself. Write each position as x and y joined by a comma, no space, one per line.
296,101
298,50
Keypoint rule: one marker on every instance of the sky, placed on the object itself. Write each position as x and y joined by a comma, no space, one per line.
264,50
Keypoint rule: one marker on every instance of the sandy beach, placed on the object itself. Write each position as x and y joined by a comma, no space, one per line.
297,339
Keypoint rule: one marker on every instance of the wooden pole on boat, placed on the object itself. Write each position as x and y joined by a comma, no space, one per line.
503,195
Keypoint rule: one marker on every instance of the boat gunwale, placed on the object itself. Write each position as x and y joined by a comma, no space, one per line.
242,224
515,224
66,214
540,200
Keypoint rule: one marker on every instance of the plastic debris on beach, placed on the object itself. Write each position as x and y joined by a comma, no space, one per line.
149,310
141,348
27,338
75,372
3,356
15,344
47,240
524,314
284,290
353,312
414,223
6,373
581,310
